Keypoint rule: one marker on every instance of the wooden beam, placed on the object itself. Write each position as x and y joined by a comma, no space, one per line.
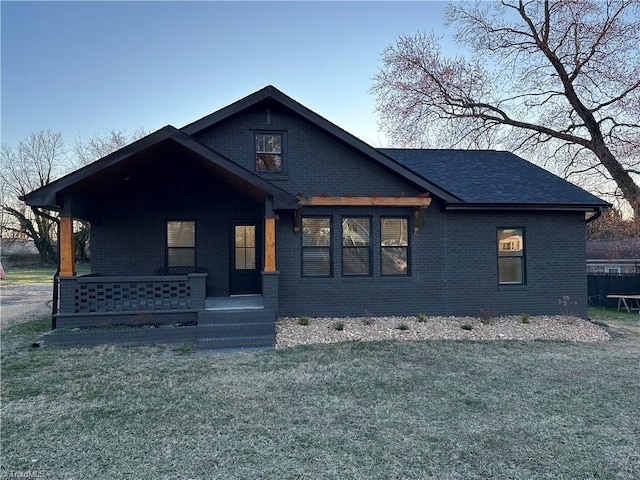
269,244
67,250
373,201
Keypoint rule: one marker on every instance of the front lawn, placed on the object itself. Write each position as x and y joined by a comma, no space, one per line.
37,273
358,410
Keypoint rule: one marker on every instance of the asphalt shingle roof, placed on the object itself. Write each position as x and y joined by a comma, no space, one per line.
491,177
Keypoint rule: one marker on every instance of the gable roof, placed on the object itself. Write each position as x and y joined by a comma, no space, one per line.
463,179
272,94
494,179
113,170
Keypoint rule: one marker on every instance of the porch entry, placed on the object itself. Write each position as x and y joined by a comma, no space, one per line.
246,270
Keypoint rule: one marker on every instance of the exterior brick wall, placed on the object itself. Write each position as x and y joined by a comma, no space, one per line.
453,268
453,256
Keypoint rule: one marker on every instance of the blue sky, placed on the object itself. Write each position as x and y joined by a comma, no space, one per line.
85,68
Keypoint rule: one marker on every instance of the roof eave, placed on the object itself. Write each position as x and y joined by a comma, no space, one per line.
558,207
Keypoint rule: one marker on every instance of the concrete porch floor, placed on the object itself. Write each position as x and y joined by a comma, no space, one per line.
235,302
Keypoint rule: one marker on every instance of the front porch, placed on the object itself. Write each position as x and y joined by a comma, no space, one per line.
136,310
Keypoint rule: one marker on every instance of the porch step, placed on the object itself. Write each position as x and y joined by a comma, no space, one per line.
231,330
239,329
215,317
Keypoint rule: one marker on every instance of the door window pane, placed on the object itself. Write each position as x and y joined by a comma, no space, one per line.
245,247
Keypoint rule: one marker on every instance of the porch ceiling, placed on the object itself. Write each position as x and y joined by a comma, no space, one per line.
166,167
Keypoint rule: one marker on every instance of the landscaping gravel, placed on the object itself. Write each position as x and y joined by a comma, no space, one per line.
326,330
29,301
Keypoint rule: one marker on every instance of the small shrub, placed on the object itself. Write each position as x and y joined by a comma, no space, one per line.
525,318
402,326
304,320
486,316
338,326
422,317
567,306
467,326
368,321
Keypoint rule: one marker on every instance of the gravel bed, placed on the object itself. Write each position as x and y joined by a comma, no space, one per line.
323,330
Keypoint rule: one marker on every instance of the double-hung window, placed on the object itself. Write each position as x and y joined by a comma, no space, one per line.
356,246
394,246
181,244
316,246
269,150
511,263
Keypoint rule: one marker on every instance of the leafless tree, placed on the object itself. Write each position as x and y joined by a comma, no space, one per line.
34,163
98,146
559,78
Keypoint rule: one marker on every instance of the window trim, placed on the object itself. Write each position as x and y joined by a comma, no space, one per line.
329,247
522,257
407,247
283,153
193,248
368,247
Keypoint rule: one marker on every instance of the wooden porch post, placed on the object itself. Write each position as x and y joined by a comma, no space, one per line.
67,250
269,244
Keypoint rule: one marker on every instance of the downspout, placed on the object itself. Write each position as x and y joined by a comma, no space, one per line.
54,302
594,217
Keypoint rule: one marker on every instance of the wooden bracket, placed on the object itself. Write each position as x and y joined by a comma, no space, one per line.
418,215
296,222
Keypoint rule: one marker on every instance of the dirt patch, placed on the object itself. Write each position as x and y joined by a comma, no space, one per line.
23,302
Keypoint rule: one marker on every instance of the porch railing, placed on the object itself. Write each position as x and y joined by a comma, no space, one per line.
96,293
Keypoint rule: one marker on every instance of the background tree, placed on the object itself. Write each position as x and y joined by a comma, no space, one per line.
98,146
34,163
559,79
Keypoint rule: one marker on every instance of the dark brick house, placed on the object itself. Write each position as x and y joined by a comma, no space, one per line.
267,204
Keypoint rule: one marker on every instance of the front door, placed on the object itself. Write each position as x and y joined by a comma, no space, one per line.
246,272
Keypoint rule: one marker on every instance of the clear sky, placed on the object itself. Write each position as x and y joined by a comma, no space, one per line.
85,68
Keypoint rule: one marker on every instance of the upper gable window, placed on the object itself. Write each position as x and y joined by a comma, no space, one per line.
269,151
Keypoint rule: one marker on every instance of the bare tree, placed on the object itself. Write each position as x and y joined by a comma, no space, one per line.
561,78
98,146
34,163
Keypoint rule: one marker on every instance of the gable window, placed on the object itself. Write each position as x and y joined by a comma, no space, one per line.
356,246
511,256
316,246
181,244
268,149
394,246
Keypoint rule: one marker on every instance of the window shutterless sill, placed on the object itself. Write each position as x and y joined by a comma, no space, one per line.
511,288
273,176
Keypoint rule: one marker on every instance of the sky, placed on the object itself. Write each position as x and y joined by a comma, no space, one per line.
86,68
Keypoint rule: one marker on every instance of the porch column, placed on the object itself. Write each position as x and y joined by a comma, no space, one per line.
269,245
67,250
